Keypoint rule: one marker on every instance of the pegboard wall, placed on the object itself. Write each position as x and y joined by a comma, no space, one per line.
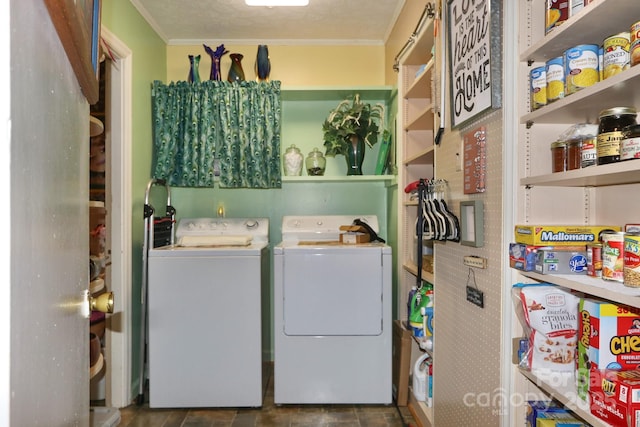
467,340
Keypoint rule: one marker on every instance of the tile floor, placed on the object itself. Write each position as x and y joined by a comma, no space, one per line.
270,415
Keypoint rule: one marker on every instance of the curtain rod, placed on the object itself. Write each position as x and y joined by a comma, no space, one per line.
428,12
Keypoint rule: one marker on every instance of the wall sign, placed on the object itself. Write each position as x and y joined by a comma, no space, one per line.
475,160
472,64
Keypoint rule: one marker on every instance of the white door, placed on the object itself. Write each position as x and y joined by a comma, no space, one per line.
45,370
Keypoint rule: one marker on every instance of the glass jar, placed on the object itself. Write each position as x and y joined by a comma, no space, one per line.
630,144
612,123
315,163
574,155
559,156
292,161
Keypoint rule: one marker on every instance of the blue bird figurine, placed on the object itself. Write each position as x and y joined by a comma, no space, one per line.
263,63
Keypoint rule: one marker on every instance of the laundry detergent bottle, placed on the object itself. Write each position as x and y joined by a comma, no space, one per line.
420,380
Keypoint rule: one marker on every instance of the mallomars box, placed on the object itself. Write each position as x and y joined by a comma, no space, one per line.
561,235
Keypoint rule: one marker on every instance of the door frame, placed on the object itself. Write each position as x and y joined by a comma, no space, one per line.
119,128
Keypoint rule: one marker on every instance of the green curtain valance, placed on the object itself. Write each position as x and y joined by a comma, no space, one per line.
198,127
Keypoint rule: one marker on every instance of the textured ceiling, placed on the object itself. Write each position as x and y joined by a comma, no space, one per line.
322,22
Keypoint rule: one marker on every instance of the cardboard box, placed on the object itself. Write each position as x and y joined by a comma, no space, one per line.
401,363
615,397
354,234
354,238
549,414
523,257
554,261
560,235
608,338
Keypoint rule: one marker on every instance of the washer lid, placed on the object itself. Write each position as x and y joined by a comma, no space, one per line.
317,228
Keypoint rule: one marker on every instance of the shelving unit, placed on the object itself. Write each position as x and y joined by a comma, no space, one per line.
304,110
416,156
594,195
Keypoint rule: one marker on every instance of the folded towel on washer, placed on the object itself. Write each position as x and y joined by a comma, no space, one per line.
208,241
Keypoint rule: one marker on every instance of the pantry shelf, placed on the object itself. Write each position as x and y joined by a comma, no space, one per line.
563,389
595,176
610,290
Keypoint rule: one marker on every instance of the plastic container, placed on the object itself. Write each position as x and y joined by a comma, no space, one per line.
420,381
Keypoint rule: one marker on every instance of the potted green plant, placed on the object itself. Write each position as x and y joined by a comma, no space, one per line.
350,127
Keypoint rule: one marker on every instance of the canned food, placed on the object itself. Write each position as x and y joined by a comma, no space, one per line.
557,13
615,57
634,44
600,65
594,260
588,151
574,159
613,256
612,123
558,156
631,265
581,67
538,87
630,144
555,79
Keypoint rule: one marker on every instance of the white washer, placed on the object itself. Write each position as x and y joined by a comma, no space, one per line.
204,303
332,307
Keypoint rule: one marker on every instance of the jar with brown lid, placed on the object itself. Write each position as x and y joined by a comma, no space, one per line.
558,156
610,132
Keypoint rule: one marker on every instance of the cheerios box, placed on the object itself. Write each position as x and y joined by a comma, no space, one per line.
608,338
615,397
561,235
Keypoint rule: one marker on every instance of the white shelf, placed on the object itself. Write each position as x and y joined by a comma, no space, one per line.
598,20
610,290
595,22
339,178
585,105
424,157
412,268
421,86
620,173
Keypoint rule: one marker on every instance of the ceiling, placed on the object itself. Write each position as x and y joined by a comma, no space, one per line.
189,22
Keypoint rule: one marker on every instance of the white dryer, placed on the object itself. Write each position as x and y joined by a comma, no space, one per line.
332,307
204,304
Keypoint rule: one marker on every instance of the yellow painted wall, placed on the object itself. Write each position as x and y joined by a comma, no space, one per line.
294,66
404,26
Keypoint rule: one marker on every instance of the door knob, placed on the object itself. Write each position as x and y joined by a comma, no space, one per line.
102,303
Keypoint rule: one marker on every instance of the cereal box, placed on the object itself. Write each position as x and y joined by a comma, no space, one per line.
548,413
609,338
560,235
615,397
